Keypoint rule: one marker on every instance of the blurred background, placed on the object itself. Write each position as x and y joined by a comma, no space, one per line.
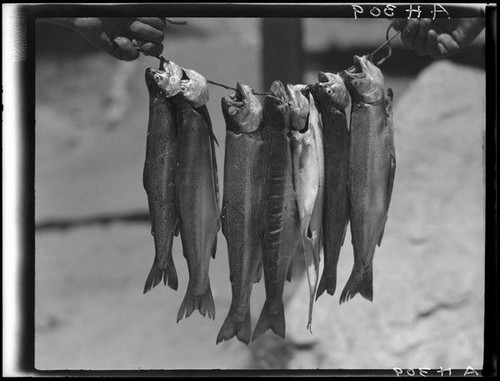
93,243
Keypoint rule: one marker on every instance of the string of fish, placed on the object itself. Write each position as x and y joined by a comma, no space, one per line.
371,56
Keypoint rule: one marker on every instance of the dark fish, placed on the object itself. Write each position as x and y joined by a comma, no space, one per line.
159,170
332,99
196,189
308,179
243,177
372,165
279,214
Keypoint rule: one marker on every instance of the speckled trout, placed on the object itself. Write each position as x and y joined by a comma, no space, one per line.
372,165
279,214
308,178
332,98
196,191
159,170
243,178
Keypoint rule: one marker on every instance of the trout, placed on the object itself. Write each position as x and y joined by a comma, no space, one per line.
332,99
279,214
308,178
372,165
243,178
159,170
196,190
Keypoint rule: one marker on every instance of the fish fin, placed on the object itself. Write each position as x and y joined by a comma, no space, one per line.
203,303
223,218
379,242
328,282
289,272
203,111
177,227
156,274
214,247
258,273
241,329
361,280
274,321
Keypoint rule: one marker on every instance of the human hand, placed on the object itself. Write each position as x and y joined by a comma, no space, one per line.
438,38
123,38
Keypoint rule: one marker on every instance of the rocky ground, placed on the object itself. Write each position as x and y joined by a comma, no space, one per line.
91,116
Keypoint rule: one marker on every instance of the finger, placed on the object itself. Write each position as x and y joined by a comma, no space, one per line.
409,32
431,45
421,37
398,24
124,49
155,22
146,32
150,49
447,45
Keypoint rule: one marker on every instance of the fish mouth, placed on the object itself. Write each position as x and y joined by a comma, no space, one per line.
154,78
358,69
166,79
239,98
323,77
279,92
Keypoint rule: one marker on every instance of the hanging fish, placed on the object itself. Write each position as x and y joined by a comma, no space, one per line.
372,165
159,170
308,177
197,192
332,99
243,178
279,214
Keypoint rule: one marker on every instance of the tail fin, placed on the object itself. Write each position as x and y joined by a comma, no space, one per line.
361,280
328,282
240,329
168,273
203,303
275,321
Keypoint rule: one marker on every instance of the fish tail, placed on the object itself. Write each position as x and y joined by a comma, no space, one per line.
231,328
328,281
361,280
274,320
169,273
203,303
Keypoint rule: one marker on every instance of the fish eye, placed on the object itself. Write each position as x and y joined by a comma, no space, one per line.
356,83
232,111
183,88
329,91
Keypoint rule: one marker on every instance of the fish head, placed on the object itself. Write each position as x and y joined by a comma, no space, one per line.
166,80
242,111
365,81
331,90
278,99
194,87
299,107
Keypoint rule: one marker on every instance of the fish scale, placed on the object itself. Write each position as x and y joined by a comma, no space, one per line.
332,99
198,205
279,213
159,180
243,176
372,165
